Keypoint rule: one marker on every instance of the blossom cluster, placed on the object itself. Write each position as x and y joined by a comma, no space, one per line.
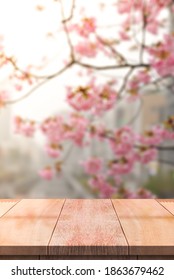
138,20
162,56
128,148
94,98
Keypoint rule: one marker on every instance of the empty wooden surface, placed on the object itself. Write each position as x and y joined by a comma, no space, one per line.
88,227
27,227
167,204
57,228
149,227
6,205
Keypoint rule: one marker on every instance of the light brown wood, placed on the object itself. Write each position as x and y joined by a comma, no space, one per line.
27,228
6,205
88,227
167,204
149,228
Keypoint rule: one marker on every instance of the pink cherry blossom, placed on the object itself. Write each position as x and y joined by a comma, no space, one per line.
100,183
92,97
75,129
86,48
124,36
122,165
4,96
92,165
47,173
53,150
147,155
81,99
154,136
85,27
123,141
162,56
53,129
24,127
106,98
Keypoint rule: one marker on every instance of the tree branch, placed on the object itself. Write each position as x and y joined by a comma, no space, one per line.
71,13
40,84
126,78
143,34
110,67
64,22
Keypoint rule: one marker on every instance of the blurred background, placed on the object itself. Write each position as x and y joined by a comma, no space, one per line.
21,158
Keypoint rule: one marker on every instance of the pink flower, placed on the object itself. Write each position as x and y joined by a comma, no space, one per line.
106,99
124,6
3,98
122,165
53,129
24,127
81,99
124,36
53,150
154,136
162,56
97,99
99,182
93,165
86,48
18,87
76,128
143,193
28,129
147,155
123,141
46,173
85,27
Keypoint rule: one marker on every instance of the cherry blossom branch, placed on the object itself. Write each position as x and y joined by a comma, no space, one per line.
71,13
64,21
110,67
126,78
143,34
116,53
9,102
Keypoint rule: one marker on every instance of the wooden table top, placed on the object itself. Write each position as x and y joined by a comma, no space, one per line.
86,227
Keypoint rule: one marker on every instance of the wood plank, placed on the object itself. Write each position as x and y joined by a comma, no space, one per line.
27,228
6,205
88,257
148,227
88,227
11,257
163,257
167,204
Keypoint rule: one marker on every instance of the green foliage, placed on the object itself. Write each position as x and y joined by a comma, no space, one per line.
162,184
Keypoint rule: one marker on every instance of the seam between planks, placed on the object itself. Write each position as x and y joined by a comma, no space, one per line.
47,249
164,207
121,227
10,208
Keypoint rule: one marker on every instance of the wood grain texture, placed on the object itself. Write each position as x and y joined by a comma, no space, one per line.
18,257
27,228
167,204
148,227
88,257
6,205
88,227
163,257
